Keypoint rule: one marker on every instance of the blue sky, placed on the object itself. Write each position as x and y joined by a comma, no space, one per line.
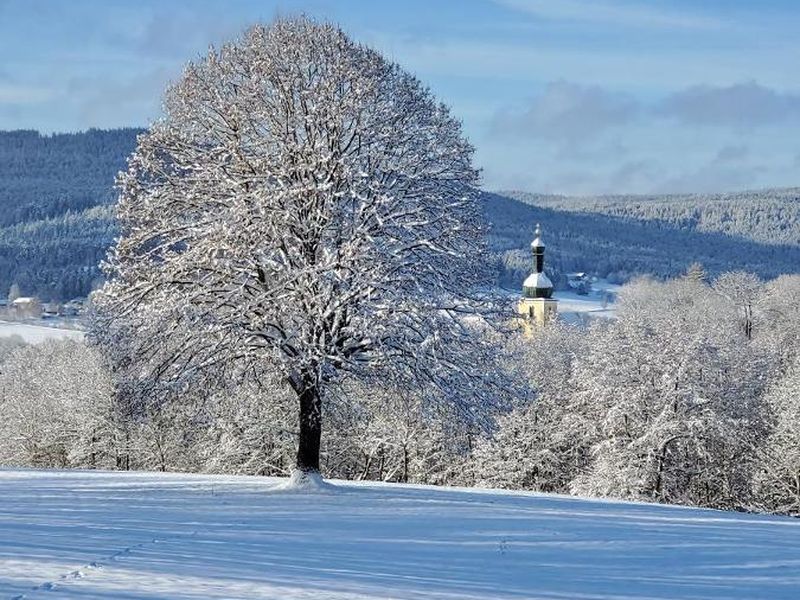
568,96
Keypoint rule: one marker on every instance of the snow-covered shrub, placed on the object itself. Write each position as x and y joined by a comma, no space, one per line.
250,430
542,444
8,344
536,447
777,480
390,434
675,386
56,407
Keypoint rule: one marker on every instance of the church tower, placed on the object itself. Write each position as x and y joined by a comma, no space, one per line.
537,306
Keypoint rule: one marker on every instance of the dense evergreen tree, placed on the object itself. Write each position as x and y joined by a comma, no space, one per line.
55,225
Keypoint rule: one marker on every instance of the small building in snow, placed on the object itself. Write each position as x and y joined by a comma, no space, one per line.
25,307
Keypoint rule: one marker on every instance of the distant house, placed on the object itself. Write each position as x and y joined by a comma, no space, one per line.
25,307
51,310
579,283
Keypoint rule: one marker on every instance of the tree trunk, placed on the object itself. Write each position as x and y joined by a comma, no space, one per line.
310,428
748,321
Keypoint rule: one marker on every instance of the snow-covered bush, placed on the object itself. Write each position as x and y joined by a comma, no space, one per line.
56,407
675,385
543,444
390,434
8,344
777,481
250,430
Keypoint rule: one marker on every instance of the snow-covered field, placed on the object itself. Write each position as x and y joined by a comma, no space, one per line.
575,308
166,536
34,334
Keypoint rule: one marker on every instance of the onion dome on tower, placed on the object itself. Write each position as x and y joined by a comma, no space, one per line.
537,285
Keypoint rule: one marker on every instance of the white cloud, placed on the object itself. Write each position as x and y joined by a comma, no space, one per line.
539,60
742,105
615,13
102,102
567,111
714,177
178,33
16,93
732,153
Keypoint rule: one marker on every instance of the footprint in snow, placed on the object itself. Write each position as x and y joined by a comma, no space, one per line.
73,575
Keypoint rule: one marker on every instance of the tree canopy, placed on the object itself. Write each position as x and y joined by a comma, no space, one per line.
304,206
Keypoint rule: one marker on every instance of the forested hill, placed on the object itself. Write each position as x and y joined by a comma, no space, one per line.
771,216
52,235
56,222
47,176
621,236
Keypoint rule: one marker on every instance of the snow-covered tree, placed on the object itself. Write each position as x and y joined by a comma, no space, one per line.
781,319
674,387
55,407
399,437
543,443
14,292
777,480
743,290
696,272
304,207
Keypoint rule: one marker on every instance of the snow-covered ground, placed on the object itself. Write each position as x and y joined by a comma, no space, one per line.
573,307
576,308
165,536
34,334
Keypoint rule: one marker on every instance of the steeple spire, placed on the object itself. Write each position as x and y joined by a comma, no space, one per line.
537,245
537,285
537,305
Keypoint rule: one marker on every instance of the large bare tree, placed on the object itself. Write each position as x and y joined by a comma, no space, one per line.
304,206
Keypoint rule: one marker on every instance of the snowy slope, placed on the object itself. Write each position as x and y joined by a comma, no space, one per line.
575,308
165,536
34,334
